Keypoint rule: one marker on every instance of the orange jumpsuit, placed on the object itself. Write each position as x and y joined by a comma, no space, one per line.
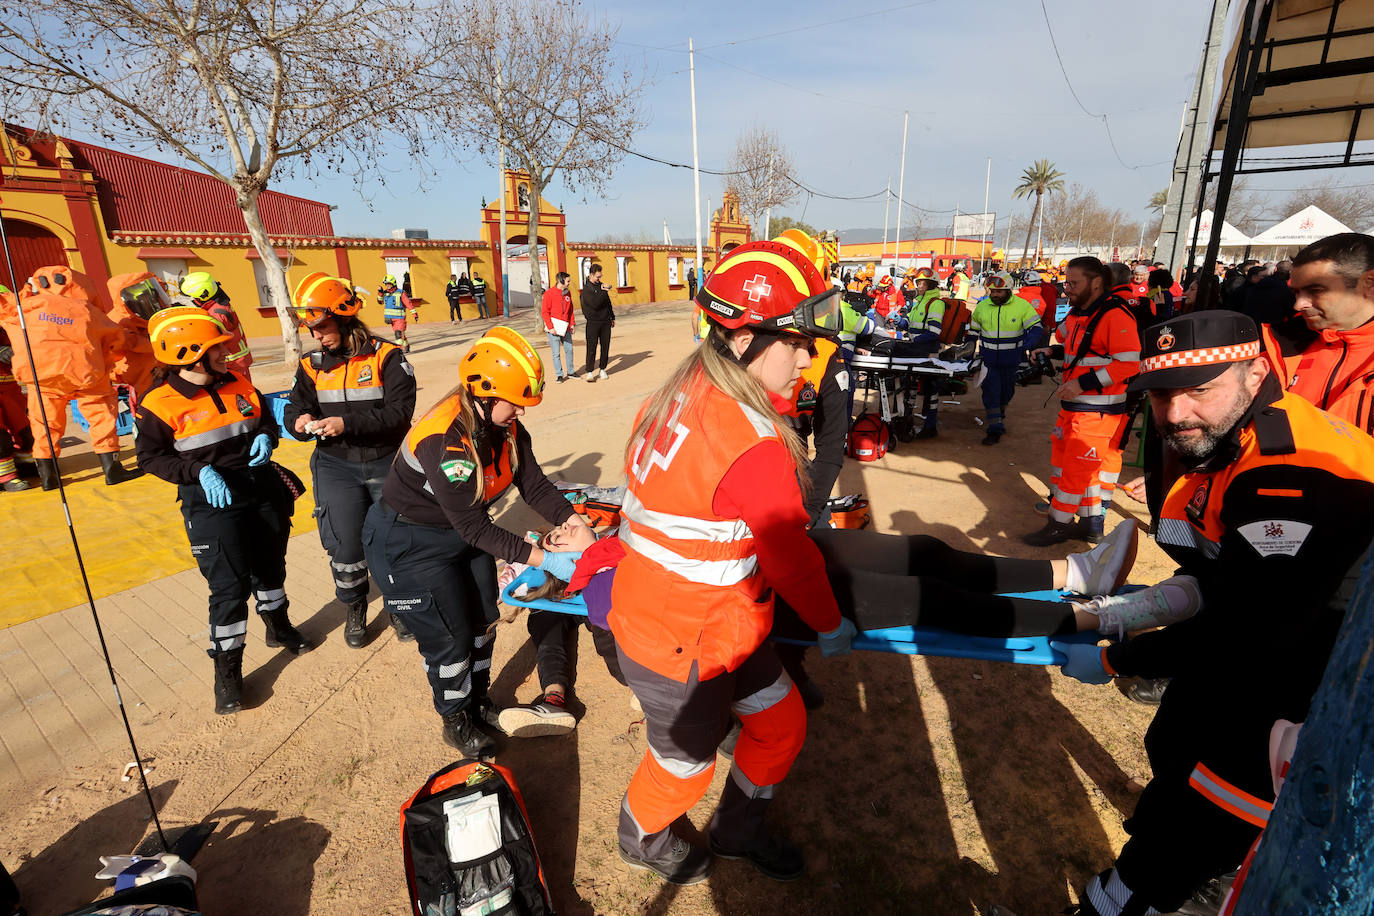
134,366
1085,453
74,343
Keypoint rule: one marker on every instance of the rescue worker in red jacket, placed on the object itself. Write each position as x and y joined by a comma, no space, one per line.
1332,365
356,396
1267,503
1101,353
209,295
713,525
888,300
74,343
16,439
209,431
432,546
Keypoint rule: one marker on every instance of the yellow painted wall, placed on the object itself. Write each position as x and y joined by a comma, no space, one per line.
874,250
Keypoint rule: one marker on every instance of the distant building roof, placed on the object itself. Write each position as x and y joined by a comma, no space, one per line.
142,195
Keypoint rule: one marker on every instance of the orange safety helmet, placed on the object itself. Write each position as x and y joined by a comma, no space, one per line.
809,247
771,286
182,334
320,296
60,281
502,364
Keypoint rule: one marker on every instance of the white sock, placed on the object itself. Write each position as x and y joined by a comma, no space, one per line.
1109,898
1080,567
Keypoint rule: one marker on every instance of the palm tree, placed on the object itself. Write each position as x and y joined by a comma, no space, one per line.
1040,179
1158,201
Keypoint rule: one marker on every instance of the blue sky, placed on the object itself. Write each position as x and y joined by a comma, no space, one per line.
979,78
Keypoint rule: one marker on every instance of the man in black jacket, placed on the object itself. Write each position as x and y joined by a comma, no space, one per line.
600,318
454,294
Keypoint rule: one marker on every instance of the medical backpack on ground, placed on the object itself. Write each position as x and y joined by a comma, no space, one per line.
869,438
468,846
849,511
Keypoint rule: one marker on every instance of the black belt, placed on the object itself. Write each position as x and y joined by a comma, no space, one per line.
357,454
412,521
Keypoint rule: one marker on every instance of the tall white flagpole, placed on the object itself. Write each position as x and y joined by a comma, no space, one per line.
696,167
901,179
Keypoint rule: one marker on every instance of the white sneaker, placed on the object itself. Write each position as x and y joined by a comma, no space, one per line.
1173,600
589,376
536,719
1104,569
602,374
634,703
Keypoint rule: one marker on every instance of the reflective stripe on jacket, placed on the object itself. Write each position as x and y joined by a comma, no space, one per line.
689,590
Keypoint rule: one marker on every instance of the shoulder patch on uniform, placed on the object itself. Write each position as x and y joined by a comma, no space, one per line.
457,470
1276,536
364,375
842,379
407,367
244,406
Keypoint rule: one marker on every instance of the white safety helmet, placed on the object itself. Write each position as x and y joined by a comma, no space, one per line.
1032,277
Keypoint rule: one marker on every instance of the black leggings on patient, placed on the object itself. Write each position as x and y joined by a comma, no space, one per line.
899,580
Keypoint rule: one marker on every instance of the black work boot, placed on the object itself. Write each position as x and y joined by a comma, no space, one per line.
1053,533
403,633
47,472
281,634
683,864
355,624
228,681
737,831
116,472
461,733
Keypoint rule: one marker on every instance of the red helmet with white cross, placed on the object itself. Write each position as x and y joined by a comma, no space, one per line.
774,287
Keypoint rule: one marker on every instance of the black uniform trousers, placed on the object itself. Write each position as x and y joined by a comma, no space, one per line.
998,389
1181,838
344,491
551,632
241,551
444,590
598,333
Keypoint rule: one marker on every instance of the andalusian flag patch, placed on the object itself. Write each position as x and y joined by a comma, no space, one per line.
457,470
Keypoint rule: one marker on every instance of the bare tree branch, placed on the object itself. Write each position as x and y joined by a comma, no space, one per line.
243,90
761,168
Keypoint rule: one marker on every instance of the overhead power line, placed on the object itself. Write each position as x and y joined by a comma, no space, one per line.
1106,123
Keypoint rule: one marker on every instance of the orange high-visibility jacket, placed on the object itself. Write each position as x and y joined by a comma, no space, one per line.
1336,372
1111,360
690,589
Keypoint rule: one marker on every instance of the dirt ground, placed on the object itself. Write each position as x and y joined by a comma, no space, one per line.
932,786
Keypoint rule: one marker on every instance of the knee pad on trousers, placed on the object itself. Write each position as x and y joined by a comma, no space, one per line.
657,796
771,740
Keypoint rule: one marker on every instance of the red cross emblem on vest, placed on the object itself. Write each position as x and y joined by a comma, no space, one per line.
757,288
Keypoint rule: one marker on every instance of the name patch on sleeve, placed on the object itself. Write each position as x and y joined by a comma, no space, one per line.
1276,536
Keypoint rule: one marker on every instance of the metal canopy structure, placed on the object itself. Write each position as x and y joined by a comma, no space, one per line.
1296,73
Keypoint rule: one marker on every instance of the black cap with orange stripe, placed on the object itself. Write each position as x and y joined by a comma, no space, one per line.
1193,349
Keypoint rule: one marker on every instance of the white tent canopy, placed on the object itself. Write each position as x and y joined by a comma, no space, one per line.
1316,74
1302,228
1231,237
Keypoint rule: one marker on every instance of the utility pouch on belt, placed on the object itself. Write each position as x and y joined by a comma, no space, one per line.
468,846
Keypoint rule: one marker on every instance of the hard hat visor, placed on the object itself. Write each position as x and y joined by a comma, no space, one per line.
815,316
145,298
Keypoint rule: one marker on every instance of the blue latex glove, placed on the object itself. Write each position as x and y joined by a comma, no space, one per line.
837,641
560,565
261,450
216,490
1085,664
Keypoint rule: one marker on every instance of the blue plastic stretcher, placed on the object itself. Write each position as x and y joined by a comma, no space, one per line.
1019,650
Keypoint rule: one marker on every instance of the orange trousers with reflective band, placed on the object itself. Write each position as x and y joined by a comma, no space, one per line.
98,406
684,725
1086,463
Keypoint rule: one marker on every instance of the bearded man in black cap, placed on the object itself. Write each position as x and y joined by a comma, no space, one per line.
1267,505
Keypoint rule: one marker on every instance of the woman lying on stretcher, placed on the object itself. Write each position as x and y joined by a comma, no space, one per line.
891,580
